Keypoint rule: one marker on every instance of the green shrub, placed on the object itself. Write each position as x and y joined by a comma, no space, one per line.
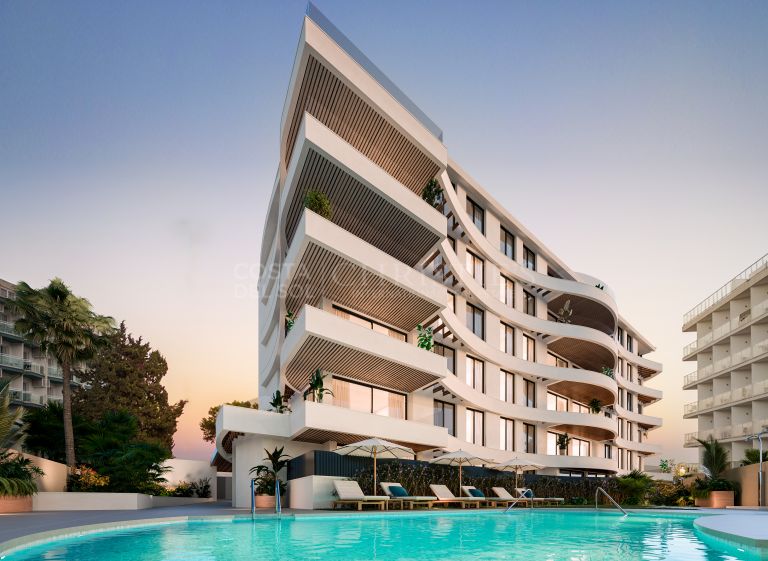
17,476
318,202
634,487
432,193
202,488
183,489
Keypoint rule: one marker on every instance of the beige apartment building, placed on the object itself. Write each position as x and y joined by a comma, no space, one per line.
731,356
526,348
35,379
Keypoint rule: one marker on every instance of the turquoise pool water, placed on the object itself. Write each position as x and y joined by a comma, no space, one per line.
520,535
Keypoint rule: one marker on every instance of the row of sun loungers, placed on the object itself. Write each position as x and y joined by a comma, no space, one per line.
396,496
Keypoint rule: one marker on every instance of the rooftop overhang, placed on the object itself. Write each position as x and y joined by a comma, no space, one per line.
326,261
320,339
332,86
585,354
365,200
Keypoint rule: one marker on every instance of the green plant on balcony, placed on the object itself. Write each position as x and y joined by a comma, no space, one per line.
432,193
290,319
601,286
595,406
607,371
317,387
565,314
318,202
562,443
279,403
425,338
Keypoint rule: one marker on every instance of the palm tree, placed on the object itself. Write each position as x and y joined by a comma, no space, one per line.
714,458
65,326
11,426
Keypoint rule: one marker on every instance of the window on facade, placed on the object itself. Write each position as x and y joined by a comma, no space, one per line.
620,336
476,214
551,443
630,401
629,373
367,399
554,360
476,267
368,323
445,416
506,434
507,386
608,451
630,343
556,402
530,393
475,375
452,302
507,338
507,291
529,259
577,407
529,303
476,320
507,243
630,431
475,427
529,348
448,353
530,438
579,447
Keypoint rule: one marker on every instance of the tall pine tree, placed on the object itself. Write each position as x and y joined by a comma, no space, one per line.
126,375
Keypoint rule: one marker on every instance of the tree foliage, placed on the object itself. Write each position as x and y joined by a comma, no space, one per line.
752,456
208,423
127,375
65,326
17,474
318,202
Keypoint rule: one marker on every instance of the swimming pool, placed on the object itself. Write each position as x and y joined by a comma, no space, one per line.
519,535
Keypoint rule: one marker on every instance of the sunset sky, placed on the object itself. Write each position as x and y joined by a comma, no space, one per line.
139,144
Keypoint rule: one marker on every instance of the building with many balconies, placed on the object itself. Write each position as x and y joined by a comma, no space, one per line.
34,378
731,355
526,349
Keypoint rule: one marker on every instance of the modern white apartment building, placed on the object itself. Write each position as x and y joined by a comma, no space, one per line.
509,371
34,378
731,355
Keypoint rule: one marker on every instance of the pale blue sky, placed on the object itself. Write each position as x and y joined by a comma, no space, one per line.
138,146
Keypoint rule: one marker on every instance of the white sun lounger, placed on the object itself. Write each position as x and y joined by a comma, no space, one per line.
406,502
444,496
349,493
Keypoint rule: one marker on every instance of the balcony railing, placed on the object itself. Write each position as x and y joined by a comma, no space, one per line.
752,391
727,362
727,328
6,327
724,291
724,433
26,397
12,361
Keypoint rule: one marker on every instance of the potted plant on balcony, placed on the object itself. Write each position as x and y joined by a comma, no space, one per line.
565,314
595,406
317,387
290,319
608,371
318,202
17,473
432,193
265,478
562,443
279,403
425,339
712,490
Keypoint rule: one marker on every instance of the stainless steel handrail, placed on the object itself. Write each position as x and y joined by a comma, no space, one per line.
610,498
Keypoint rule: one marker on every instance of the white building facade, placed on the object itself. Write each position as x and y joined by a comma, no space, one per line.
34,378
731,356
526,349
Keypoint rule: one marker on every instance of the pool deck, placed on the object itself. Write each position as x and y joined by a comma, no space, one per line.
749,528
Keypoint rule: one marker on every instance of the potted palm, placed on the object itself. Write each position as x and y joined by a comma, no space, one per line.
317,388
595,406
713,491
17,473
265,478
279,403
562,443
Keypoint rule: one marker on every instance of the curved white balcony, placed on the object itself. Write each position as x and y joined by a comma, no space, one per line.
600,386
652,394
594,427
643,447
513,268
639,418
323,340
516,317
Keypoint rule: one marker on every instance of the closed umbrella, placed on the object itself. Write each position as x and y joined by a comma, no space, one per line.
459,458
376,448
518,466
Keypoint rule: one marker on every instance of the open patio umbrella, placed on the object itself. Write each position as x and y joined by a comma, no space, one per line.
518,466
459,458
376,448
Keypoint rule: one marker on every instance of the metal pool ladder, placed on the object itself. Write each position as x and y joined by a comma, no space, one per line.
610,498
